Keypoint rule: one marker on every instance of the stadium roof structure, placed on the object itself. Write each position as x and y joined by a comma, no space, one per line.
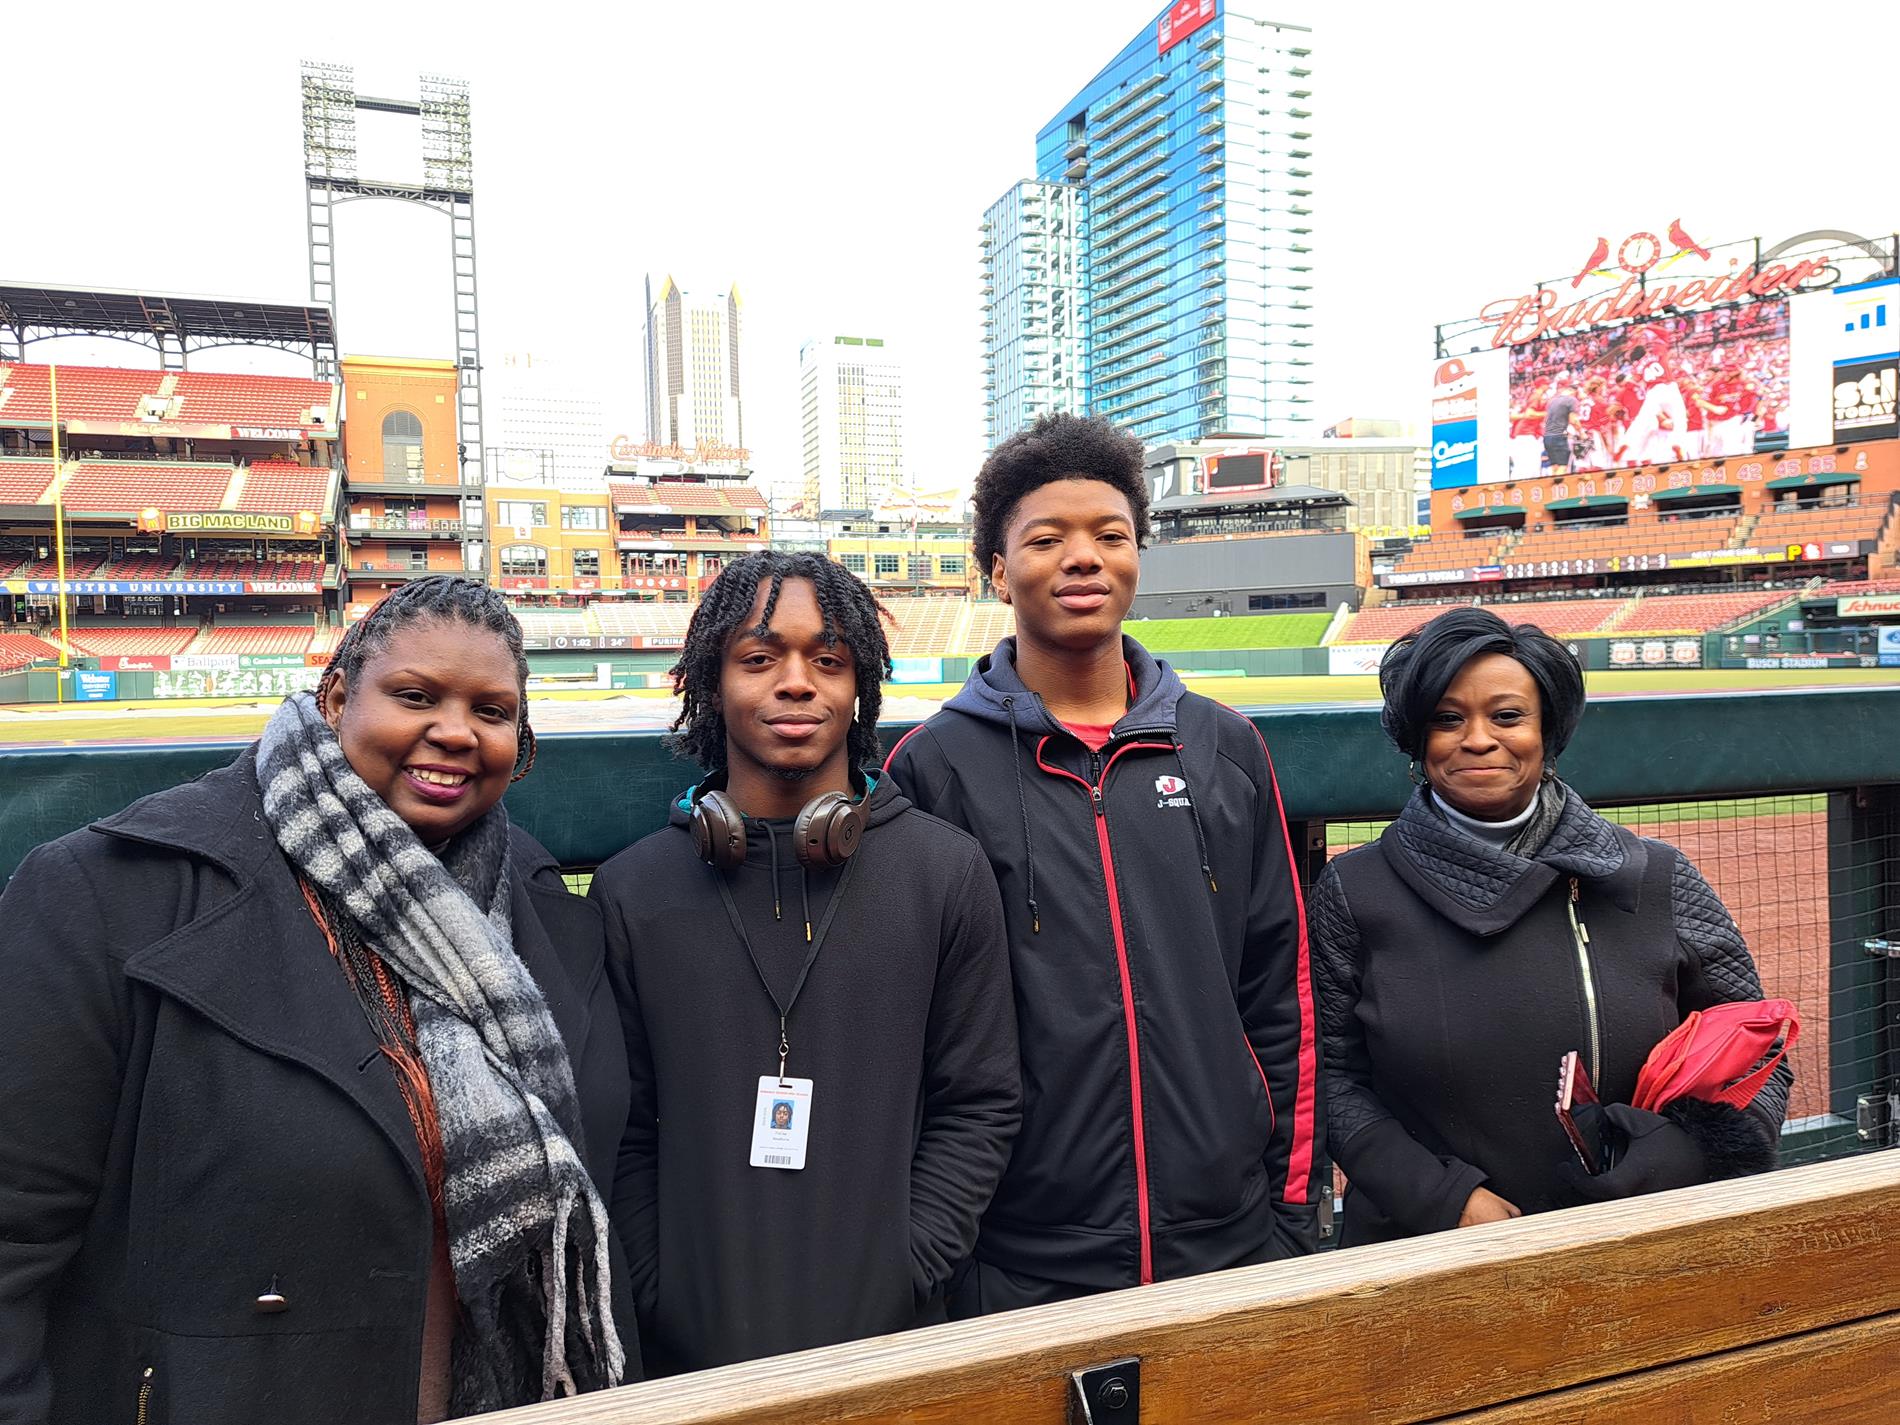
1278,495
172,324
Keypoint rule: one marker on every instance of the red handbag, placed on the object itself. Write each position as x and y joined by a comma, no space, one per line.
1723,1054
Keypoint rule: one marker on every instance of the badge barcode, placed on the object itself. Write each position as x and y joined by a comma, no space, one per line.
776,1160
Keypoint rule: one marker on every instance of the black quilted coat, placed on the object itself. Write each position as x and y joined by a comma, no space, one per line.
1451,981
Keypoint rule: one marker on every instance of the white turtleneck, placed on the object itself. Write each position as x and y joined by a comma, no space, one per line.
1496,833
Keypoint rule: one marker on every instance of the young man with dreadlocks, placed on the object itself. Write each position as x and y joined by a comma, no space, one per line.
1155,924
313,1093
815,988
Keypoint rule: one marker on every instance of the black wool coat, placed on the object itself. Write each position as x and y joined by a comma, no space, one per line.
1451,984
195,1114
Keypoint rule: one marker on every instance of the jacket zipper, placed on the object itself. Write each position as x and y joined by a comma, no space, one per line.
1098,806
1580,937
145,1393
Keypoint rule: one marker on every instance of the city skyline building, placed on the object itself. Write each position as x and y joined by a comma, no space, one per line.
1191,157
1035,321
851,422
547,427
693,367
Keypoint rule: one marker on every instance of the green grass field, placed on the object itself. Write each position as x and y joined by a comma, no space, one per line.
49,725
1180,635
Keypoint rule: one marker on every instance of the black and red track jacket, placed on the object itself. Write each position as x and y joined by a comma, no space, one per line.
1163,993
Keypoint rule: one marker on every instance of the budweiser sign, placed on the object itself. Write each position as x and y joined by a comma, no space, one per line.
1549,311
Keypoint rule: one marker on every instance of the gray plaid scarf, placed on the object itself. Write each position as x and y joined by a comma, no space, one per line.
526,1229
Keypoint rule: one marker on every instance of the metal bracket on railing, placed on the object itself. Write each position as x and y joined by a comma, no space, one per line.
1106,1395
1877,1118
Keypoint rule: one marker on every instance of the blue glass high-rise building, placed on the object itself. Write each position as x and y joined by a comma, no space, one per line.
1192,149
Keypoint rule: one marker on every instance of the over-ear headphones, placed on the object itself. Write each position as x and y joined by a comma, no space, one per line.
825,835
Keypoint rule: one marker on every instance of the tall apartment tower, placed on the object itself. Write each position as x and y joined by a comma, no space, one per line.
1191,153
1035,317
851,413
548,425
692,349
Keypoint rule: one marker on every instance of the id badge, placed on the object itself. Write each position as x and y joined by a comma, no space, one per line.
781,1122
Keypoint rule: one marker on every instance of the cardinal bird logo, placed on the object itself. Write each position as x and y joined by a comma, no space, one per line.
1685,243
1597,254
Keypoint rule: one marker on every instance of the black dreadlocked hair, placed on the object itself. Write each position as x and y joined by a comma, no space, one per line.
853,616
1056,447
447,597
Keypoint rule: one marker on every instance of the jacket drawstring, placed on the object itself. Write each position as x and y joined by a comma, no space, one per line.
1200,836
771,838
1022,803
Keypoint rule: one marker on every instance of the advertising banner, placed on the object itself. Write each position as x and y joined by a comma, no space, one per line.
1355,659
1469,403
1869,317
136,662
1703,385
1887,645
917,670
1867,399
234,682
91,687
1182,19
206,662
1867,605
212,587
270,660
1656,653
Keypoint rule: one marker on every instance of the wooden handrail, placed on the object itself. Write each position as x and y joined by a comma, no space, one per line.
1778,1293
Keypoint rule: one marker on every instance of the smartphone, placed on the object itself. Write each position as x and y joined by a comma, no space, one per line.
1574,1088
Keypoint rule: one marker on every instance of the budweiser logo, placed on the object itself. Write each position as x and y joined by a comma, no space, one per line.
1541,314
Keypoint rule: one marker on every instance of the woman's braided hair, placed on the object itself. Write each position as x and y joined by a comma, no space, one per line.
453,598
853,617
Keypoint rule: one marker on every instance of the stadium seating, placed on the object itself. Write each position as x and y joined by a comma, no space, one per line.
282,486
1562,618
1847,588
1799,526
135,642
990,624
79,565
128,485
1692,613
139,566
254,638
97,393
23,482
19,649
224,397
1606,542
687,497
325,640
926,628
539,622
1454,552
642,619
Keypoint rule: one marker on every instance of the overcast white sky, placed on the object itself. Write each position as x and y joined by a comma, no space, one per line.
835,159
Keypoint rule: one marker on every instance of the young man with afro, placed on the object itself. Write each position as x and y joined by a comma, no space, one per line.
1163,996
813,979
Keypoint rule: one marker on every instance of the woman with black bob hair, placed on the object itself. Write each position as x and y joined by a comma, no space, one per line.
1496,925
313,1086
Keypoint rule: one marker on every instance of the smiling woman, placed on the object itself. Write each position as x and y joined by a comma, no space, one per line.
1497,925
340,992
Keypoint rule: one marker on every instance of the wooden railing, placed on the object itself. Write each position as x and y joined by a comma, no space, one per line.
1774,1298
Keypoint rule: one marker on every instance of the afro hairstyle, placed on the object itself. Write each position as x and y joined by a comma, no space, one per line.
1056,447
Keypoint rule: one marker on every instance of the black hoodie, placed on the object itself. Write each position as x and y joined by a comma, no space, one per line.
1163,996
904,1027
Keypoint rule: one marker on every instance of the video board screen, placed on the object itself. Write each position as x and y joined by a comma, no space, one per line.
1696,386
1237,472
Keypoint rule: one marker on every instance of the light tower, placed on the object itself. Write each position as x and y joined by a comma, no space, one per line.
330,102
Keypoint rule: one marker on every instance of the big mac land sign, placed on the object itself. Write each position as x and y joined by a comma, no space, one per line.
1553,309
